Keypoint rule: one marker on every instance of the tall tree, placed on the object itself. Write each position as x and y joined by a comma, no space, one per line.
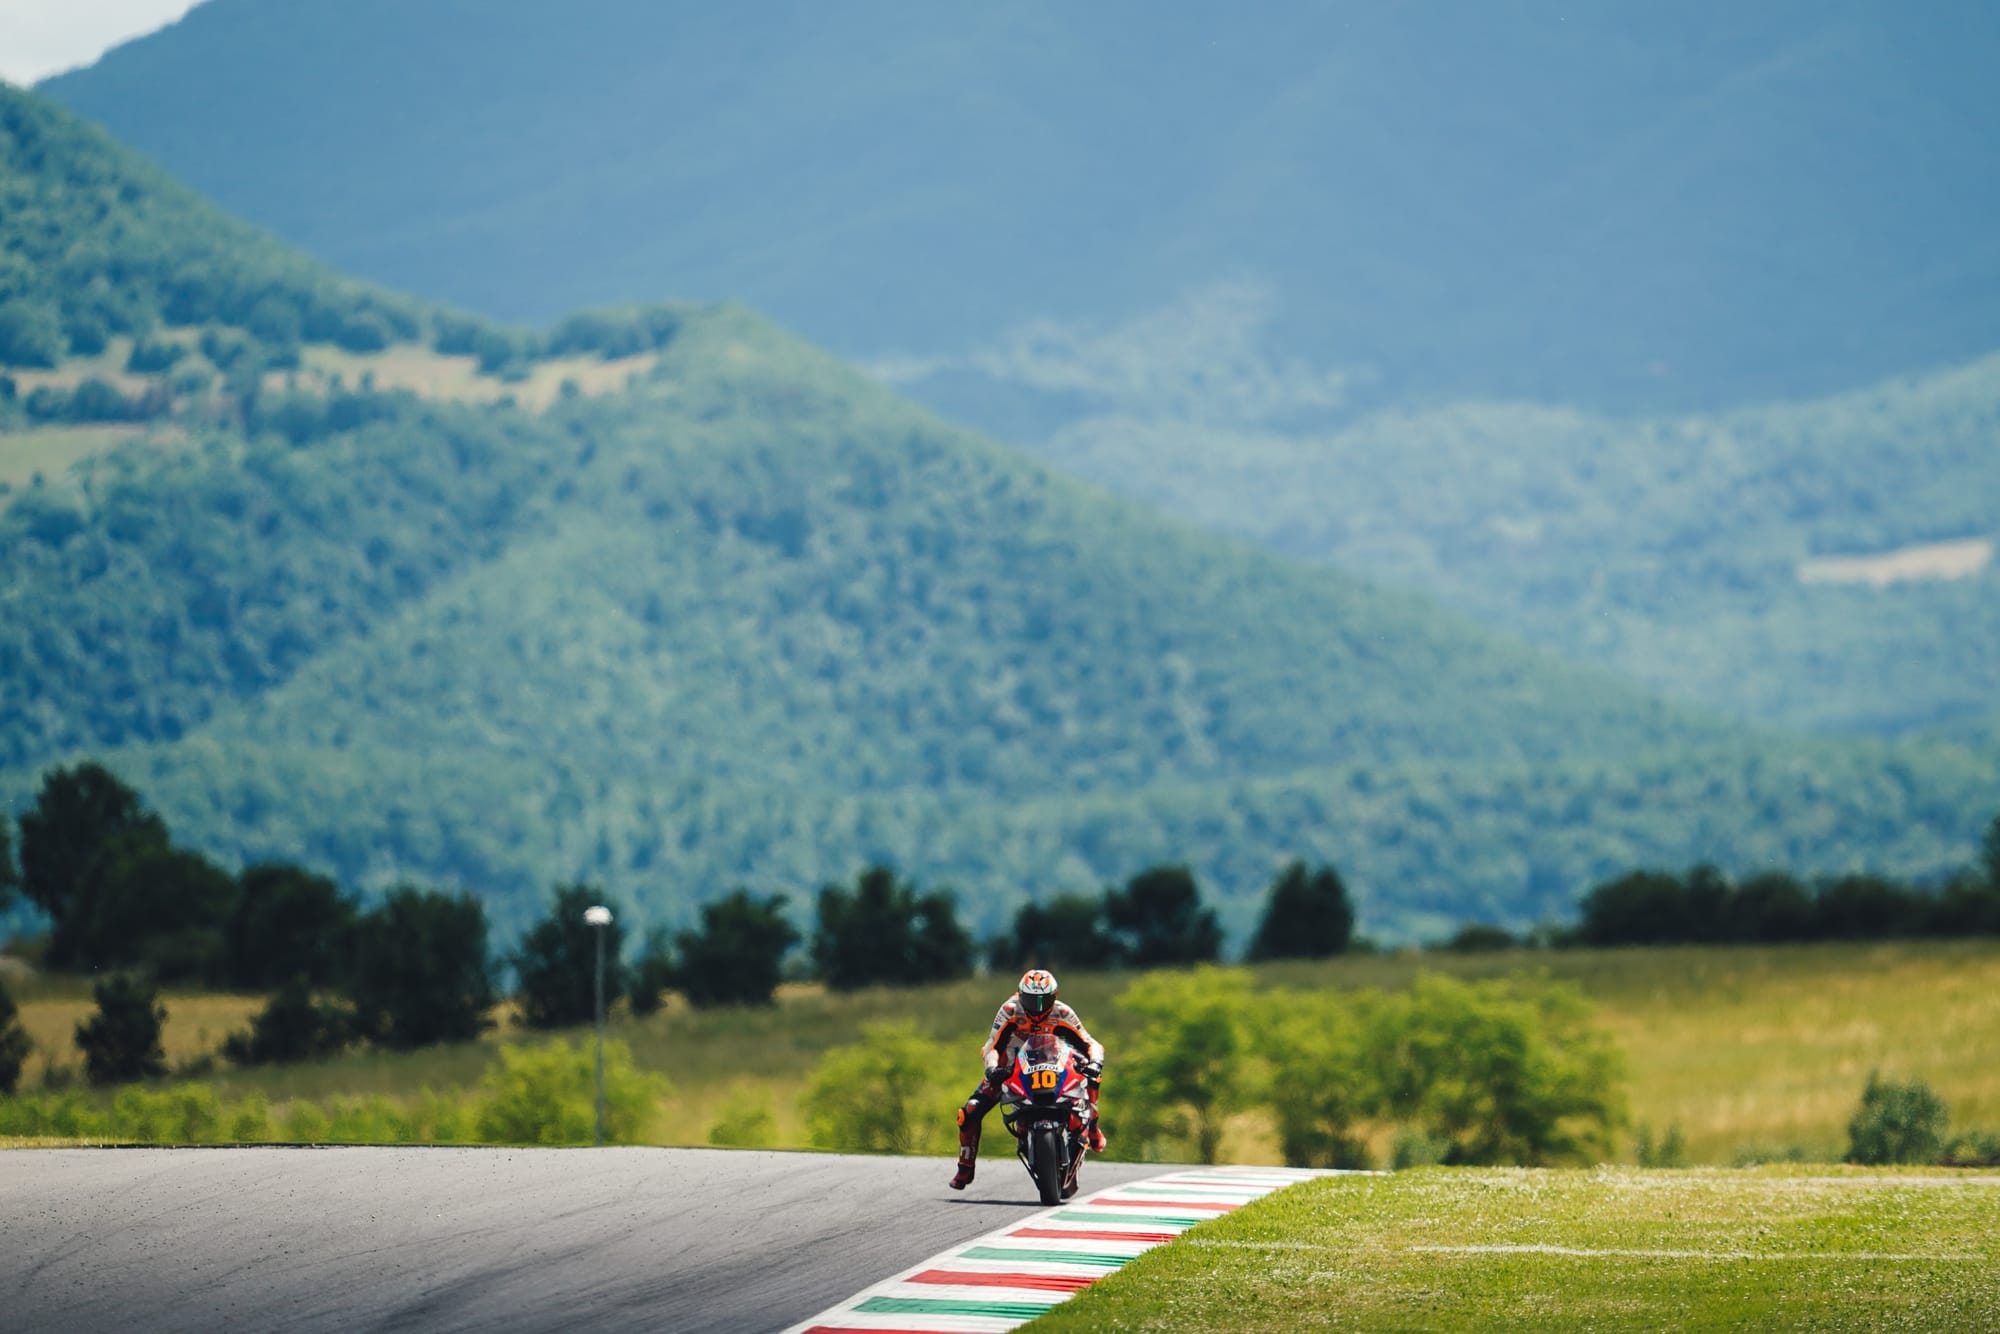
15,1044
421,971
154,906
557,961
10,874
78,814
1062,931
1159,919
1638,908
1308,916
121,1042
286,923
1990,854
883,932
293,1026
734,959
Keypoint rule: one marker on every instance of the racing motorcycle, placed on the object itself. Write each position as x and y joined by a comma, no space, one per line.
1045,1105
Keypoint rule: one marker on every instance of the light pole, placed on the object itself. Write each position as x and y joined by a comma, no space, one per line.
600,918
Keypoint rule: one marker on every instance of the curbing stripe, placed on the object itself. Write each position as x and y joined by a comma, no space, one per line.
1006,1278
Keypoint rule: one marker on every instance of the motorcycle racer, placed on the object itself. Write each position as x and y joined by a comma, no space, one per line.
1033,1008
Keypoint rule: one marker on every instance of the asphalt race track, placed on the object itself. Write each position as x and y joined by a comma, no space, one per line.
679,1240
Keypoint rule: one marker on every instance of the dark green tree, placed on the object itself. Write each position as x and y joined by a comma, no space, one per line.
293,1026
1990,855
1158,919
121,1042
883,932
1638,908
77,815
1308,916
15,1044
652,973
287,922
155,907
1771,909
734,959
10,874
421,973
557,961
1866,907
1710,915
1062,931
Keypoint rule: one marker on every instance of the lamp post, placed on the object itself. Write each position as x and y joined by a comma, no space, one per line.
599,917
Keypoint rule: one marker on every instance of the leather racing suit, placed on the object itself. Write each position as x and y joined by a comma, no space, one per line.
1011,1027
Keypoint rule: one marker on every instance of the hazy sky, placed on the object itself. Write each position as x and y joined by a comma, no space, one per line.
43,37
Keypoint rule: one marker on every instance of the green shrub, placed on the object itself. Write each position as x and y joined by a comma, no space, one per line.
121,1042
747,1122
184,1114
545,1094
1669,1151
1978,1148
15,1044
1508,1071
1182,1073
888,1093
1318,1083
250,1120
292,1027
1413,1148
1896,1123
304,1123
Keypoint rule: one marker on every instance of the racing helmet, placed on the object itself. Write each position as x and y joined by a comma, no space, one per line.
1038,992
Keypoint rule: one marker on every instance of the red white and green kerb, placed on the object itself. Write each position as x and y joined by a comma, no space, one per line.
1006,1278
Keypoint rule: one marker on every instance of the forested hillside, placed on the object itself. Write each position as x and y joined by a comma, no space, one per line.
1670,205
716,609
1379,286
1695,554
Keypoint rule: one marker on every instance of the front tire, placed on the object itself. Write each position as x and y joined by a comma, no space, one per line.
1045,1159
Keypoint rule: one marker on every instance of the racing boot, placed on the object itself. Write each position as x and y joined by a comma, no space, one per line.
969,1122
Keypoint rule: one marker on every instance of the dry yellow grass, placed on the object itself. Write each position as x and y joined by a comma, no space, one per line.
197,1022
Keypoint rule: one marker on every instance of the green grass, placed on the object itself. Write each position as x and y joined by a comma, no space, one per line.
1608,1249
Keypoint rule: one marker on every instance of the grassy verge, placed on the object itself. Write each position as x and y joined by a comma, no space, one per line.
1607,1249
1744,1049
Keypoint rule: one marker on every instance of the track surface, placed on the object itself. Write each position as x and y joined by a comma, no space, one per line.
684,1240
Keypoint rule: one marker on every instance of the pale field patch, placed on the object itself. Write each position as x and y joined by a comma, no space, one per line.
432,374
1932,560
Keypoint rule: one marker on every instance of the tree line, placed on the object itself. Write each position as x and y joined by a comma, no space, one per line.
1703,906
417,968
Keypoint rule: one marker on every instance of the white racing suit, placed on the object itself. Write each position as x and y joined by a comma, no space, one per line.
1011,1027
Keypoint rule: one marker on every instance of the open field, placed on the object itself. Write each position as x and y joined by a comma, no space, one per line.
50,451
1749,1051
1607,1249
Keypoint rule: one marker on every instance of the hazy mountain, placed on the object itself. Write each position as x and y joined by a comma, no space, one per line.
1377,285
669,599
1666,205
1826,564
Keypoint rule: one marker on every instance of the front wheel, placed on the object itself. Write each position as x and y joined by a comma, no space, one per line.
1045,1162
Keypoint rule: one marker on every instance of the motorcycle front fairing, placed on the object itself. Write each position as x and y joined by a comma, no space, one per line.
1046,1090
